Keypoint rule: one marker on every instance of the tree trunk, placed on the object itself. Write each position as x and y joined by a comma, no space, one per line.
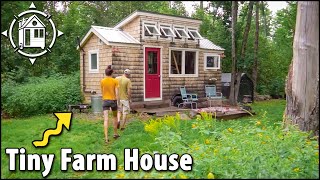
247,30
264,17
232,97
302,87
201,5
256,45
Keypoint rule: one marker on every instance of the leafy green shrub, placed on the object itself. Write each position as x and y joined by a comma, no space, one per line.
40,95
254,149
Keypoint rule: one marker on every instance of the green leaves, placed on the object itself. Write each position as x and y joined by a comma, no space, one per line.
40,95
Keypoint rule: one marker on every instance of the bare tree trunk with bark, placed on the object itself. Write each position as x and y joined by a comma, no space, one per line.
247,30
232,97
256,45
262,4
302,86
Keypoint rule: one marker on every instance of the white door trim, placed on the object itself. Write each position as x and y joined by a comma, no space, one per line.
144,73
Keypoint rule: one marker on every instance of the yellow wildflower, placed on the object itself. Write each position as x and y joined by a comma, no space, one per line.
120,168
296,169
197,148
207,141
258,123
146,176
182,176
210,176
120,176
230,130
194,126
308,142
263,142
317,153
259,134
215,151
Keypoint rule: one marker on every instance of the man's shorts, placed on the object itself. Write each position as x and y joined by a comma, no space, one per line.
124,107
107,104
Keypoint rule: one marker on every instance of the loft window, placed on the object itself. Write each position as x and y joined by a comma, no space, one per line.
181,33
151,29
194,34
166,31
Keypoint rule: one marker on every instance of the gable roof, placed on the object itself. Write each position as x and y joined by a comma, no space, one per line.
137,13
29,20
207,44
110,36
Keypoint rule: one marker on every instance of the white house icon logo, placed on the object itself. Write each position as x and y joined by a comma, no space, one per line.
32,33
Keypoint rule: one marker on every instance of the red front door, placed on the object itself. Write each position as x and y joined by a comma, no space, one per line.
152,72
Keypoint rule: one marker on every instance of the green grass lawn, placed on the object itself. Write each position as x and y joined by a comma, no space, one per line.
249,147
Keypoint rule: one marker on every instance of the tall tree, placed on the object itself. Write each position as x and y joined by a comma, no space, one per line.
233,96
247,30
262,5
256,45
302,87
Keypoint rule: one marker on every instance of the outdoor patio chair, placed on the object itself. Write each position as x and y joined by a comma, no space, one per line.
212,94
188,98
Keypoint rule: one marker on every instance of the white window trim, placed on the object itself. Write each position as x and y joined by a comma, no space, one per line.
196,30
149,23
205,55
153,26
93,52
175,28
183,62
167,26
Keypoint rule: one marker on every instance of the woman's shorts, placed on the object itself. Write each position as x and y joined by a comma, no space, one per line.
107,104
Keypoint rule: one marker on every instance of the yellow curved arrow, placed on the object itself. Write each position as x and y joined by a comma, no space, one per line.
64,119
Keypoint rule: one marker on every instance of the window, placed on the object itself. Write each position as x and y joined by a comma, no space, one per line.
27,37
93,61
183,63
152,63
36,35
212,61
190,61
150,29
194,34
166,31
181,33
41,33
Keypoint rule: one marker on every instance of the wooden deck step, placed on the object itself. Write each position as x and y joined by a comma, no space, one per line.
155,104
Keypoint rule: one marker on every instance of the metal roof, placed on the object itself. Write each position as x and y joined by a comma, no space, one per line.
115,35
207,44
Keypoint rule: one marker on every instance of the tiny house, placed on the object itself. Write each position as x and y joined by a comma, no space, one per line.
162,51
31,33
